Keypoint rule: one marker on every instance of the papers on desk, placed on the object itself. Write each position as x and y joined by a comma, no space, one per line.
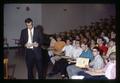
82,62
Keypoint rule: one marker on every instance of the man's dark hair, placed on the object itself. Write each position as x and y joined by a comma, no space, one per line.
96,48
28,20
104,41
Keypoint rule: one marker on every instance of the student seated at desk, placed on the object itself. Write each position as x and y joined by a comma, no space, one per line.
57,48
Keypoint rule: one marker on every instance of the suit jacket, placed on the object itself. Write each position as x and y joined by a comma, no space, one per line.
37,37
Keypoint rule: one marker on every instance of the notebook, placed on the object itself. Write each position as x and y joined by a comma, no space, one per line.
82,62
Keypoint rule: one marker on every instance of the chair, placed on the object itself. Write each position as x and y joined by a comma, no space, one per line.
5,61
7,67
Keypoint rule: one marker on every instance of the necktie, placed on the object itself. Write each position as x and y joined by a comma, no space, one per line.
31,35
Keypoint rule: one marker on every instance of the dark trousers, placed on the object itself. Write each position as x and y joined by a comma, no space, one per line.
60,66
45,60
33,59
89,77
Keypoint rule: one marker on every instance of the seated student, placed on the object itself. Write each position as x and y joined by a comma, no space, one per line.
101,46
58,46
111,48
86,53
67,49
77,50
108,72
96,63
103,35
98,60
92,44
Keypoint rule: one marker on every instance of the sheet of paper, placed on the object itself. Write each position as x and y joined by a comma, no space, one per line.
82,62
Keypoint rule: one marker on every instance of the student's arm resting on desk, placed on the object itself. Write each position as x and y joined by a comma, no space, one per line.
71,61
95,72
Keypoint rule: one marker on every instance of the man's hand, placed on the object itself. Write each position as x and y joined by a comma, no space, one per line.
88,67
71,61
35,44
28,45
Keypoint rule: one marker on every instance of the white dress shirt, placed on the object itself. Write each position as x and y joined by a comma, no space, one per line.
29,38
68,50
76,52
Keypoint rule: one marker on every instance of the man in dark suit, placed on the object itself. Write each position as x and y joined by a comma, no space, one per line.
31,39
